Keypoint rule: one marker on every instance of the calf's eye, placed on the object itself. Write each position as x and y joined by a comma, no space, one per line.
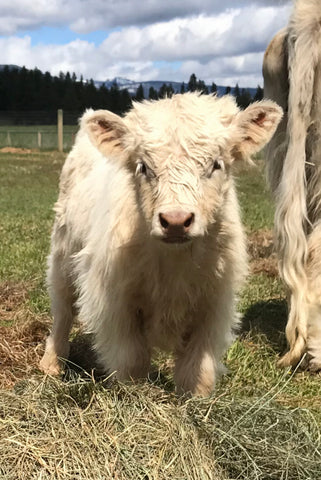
143,169
217,165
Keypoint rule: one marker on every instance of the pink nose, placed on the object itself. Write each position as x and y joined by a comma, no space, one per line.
176,224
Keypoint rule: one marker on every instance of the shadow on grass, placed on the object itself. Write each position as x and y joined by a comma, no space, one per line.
83,362
269,318
82,359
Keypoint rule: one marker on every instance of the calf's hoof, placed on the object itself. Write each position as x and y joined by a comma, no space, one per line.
52,363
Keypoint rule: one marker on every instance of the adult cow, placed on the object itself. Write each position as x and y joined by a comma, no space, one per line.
148,236
292,77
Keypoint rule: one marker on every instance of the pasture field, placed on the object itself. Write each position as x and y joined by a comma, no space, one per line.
262,422
42,137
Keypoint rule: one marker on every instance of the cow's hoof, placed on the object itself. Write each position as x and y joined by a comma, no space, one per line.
314,365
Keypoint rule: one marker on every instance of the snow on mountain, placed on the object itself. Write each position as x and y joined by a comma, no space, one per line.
131,86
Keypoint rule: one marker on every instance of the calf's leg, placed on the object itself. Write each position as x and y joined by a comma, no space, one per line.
61,296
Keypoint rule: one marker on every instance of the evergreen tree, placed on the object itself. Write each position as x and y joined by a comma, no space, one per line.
192,83
139,93
201,87
170,91
227,90
258,94
237,92
213,88
162,93
244,99
115,99
152,95
183,90
125,100
104,97
91,95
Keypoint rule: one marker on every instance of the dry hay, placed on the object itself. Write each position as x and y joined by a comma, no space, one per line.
87,430
16,150
263,258
21,334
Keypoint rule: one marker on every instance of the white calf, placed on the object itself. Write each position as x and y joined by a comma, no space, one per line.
148,237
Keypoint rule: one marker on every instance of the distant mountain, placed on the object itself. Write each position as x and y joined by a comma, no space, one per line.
11,67
131,86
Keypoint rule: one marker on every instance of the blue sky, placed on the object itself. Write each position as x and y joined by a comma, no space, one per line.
151,40
63,35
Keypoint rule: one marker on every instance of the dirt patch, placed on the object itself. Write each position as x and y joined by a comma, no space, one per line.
12,297
21,334
263,258
15,150
260,244
20,350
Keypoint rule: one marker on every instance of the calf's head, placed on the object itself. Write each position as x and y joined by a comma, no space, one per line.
180,151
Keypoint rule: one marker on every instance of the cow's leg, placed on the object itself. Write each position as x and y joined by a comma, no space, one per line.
314,299
296,328
122,346
303,329
61,296
314,338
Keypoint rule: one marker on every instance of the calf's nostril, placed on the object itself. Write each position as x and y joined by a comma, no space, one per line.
188,222
176,223
164,223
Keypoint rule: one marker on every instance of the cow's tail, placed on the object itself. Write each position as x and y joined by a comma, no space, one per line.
291,218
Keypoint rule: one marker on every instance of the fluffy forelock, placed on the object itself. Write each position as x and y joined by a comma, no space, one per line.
190,121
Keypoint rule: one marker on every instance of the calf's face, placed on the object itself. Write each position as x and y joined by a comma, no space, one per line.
180,189
180,152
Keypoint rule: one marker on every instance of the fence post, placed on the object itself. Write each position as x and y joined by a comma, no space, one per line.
60,130
8,139
39,139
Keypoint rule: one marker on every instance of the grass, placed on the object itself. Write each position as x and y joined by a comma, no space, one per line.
255,198
262,422
29,136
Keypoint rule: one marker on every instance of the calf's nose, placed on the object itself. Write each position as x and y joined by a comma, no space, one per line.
176,223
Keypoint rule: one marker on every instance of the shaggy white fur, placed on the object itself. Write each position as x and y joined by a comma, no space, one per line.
147,241
292,77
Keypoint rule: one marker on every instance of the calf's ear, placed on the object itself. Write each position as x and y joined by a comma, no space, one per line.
106,131
255,126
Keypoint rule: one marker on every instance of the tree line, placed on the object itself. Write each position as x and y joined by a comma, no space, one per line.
22,89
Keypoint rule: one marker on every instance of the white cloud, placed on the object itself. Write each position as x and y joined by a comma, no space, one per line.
215,42
86,16
231,33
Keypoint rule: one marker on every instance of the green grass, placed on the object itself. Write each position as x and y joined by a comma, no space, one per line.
28,185
27,136
31,128
261,423
28,190
255,198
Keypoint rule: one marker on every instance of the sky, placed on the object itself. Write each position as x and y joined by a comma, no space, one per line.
221,41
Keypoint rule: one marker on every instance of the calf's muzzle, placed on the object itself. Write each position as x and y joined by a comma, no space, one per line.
176,226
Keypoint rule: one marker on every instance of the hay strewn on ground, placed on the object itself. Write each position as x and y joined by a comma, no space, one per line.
86,430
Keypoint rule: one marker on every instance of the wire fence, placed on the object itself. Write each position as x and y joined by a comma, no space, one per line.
37,130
